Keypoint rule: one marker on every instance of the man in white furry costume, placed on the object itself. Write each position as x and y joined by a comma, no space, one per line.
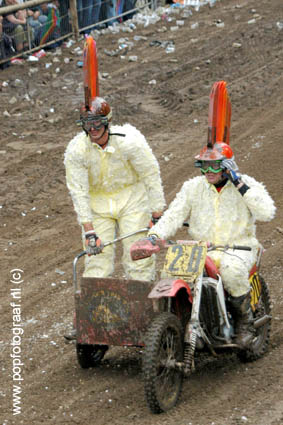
222,207
114,180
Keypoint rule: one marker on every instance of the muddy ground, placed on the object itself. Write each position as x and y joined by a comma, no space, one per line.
39,231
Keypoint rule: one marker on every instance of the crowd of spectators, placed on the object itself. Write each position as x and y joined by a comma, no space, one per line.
92,12
32,27
27,28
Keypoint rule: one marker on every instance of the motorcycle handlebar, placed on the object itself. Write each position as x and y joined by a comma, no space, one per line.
212,247
242,247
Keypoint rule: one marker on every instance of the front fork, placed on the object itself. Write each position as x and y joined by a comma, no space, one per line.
192,331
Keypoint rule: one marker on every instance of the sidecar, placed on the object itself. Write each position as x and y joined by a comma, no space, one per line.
108,312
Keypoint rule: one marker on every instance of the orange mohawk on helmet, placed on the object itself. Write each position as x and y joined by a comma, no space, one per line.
219,118
219,115
90,70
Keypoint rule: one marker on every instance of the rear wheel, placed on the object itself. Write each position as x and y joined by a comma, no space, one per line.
260,343
90,355
163,349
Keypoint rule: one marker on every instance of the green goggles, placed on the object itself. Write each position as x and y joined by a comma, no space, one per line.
212,166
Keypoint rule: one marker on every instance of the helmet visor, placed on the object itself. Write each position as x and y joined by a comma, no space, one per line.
212,166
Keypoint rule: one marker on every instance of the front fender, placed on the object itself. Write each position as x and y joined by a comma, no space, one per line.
169,287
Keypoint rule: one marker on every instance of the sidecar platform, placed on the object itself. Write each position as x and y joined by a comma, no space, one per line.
113,311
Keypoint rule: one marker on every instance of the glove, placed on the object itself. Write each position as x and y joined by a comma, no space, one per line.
92,243
234,175
154,219
152,239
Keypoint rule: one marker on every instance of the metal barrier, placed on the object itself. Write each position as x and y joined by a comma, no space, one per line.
55,24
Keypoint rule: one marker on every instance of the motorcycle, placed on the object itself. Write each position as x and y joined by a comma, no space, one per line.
193,315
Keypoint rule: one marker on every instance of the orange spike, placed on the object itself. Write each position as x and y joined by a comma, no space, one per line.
90,70
219,114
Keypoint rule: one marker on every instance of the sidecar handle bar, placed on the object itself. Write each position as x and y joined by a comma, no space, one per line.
103,245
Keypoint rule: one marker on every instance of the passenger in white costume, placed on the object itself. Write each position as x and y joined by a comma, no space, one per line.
115,184
222,207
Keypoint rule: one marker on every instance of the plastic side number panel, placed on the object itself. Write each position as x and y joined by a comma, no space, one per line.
256,289
185,260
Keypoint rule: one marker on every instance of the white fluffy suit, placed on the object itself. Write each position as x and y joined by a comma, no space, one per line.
224,217
116,188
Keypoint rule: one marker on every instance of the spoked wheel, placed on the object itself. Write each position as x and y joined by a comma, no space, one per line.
260,343
90,355
163,349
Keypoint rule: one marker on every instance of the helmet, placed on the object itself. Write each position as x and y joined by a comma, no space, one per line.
99,107
99,112
218,151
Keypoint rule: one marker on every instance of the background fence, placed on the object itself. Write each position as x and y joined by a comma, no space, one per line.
31,25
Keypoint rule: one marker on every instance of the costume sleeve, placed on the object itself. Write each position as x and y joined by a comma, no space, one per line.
177,213
258,200
146,166
77,181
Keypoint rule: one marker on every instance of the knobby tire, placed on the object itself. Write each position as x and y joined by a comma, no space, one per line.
163,347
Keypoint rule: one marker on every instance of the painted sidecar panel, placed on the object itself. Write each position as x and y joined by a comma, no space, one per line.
113,311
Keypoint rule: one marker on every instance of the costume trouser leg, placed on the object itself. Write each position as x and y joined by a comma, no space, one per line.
234,270
141,269
102,265
125,211
234,267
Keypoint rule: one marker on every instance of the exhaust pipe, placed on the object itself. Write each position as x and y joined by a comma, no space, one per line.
262,321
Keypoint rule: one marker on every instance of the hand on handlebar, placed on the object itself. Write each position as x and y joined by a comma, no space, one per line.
154,218
93,243
146,247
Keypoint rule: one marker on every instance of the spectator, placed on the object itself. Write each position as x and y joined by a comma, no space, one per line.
6,49
14,25
51,29
36,19
111,11
65,25
126,6
87,13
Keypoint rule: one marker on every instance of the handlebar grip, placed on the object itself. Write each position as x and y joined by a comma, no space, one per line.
242,247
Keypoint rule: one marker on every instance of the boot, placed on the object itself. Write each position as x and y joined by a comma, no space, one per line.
243,316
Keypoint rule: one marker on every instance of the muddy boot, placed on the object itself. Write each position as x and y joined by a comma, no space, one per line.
71,336
243,316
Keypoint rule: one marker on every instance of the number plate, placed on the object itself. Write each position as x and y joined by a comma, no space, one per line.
185,260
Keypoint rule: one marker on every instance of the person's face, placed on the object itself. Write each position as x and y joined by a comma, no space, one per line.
96,135
96,129
213,178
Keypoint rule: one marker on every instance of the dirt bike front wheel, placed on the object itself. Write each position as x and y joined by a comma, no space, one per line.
260,343
90,355
163,349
